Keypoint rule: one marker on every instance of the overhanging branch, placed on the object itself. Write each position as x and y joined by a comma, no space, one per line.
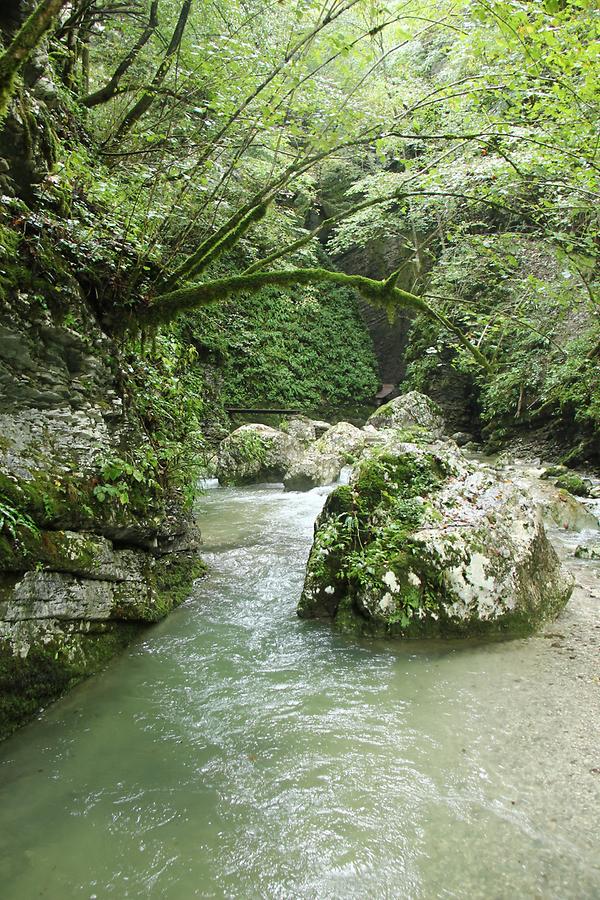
166,307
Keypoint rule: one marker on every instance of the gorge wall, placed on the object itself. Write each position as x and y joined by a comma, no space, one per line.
79,575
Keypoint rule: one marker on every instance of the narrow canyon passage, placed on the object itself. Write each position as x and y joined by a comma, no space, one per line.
236,751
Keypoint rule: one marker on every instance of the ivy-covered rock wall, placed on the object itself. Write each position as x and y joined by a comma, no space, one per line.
305,347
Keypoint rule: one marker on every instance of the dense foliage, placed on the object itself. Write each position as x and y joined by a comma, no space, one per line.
304,348
168,138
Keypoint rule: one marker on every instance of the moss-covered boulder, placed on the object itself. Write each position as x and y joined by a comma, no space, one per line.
423,544
322,462
589,550
256,453
410,411
574,484
553,472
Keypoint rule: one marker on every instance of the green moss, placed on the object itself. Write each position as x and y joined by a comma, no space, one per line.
173,576
386,410
383,478
55,660
51,667
341,500
574,484
348,619
413,434
364,536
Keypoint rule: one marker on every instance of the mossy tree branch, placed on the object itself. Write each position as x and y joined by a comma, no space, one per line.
20,48
166,307
216,244
135,113
267,194
326,223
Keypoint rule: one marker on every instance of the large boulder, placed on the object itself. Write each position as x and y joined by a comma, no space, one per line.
560,509
423,543
323,460
411,411
256,453
300,428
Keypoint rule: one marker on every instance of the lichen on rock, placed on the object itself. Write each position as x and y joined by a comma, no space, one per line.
322,462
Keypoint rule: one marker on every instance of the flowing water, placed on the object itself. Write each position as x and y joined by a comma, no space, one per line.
238,752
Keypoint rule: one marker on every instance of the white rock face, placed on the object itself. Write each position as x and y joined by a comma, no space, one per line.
55,595
301,429
411,410
566,511
293,453
490,554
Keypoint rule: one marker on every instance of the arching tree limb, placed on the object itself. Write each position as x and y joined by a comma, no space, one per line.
326,223
166,307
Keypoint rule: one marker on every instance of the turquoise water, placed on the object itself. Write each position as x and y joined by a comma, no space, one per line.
238,752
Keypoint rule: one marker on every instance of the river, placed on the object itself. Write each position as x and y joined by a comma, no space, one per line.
235,751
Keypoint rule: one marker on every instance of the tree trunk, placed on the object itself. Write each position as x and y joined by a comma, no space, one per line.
103,94
144,103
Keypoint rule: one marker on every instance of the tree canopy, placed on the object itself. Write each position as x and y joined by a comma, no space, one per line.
217,128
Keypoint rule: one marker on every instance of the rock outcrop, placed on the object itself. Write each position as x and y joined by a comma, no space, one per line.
258,453
411,411
562,510
292,454
423,543
304,453
322,461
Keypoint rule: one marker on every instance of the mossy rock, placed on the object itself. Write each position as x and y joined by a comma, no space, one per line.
47,644
256,453
417,546
51,658
554,472
410,411
574,484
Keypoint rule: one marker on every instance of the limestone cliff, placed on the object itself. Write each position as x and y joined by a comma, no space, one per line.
79,576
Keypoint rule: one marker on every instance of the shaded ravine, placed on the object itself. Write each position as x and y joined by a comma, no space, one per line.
236,751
